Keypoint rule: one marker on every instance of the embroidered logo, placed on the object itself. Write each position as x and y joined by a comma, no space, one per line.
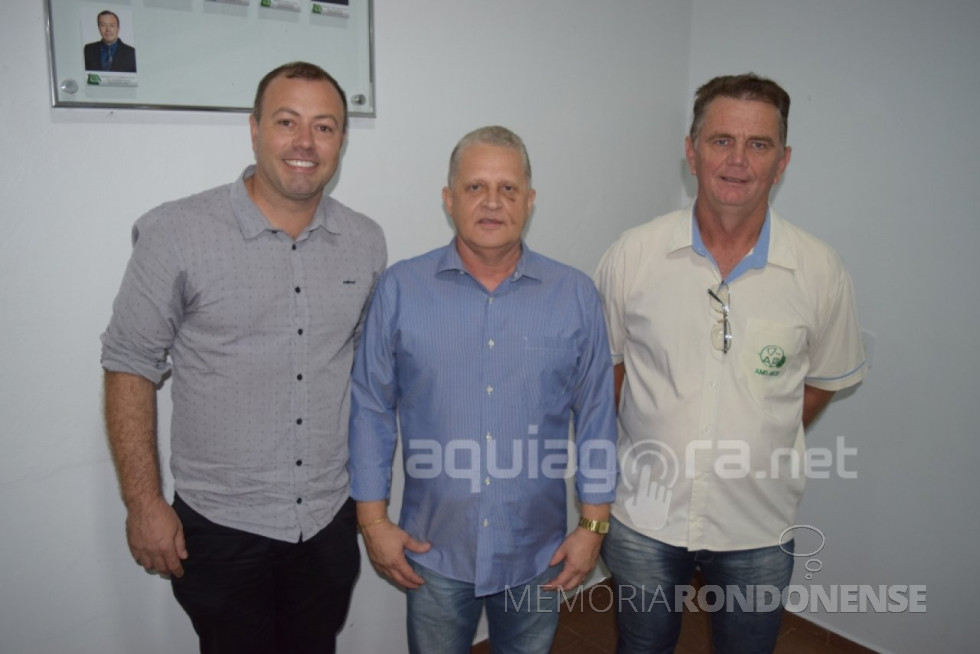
773,357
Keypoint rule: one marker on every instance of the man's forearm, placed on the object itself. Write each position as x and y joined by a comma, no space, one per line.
619,375
596,512
815,400
371,513
130,416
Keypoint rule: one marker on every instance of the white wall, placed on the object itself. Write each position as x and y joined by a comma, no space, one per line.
886,165
596,92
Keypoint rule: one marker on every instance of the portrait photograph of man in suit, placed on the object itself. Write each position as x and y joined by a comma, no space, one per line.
109,54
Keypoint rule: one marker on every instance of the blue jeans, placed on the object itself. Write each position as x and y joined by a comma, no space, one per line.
652,583
443,615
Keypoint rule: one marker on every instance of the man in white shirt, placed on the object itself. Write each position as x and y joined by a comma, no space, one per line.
730,331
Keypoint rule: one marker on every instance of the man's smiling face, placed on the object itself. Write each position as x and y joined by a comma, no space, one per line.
297,140
737,155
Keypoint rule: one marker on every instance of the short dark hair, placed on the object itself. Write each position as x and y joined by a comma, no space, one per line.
106,12
741,87
490,135
297,70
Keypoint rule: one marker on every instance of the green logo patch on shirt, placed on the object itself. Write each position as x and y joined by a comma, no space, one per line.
773,357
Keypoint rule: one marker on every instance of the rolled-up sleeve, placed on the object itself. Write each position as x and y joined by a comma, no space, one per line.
148,308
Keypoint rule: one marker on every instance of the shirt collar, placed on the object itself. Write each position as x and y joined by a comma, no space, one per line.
781,251
253,222
771,246
528,265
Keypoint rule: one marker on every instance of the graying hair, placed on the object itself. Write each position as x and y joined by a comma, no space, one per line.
490,135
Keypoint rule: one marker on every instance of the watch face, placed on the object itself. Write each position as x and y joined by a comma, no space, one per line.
598,526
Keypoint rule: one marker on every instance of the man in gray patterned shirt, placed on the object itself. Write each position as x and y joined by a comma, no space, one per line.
255,292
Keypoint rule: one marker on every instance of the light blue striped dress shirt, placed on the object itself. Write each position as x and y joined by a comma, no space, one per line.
484,386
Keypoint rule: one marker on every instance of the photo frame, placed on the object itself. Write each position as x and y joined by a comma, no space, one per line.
202,55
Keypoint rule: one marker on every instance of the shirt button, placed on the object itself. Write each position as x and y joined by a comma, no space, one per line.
297,289
299,500
486,482
489,390
299,421
299,331
299,462
490,300
486,523
294,246
490,343
299,377
489,436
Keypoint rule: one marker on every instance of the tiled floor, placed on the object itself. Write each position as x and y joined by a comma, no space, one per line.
583,630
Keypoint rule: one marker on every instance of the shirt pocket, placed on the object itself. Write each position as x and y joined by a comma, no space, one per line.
547,368
772,359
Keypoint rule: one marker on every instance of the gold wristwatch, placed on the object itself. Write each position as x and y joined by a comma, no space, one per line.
597,526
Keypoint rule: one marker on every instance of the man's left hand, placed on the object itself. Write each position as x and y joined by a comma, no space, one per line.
579,551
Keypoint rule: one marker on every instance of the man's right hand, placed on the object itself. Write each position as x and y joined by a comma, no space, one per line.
386,543
156,538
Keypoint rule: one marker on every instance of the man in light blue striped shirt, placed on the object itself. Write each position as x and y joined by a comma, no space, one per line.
482,352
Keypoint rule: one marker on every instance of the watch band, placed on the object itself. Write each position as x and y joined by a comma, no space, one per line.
597,526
